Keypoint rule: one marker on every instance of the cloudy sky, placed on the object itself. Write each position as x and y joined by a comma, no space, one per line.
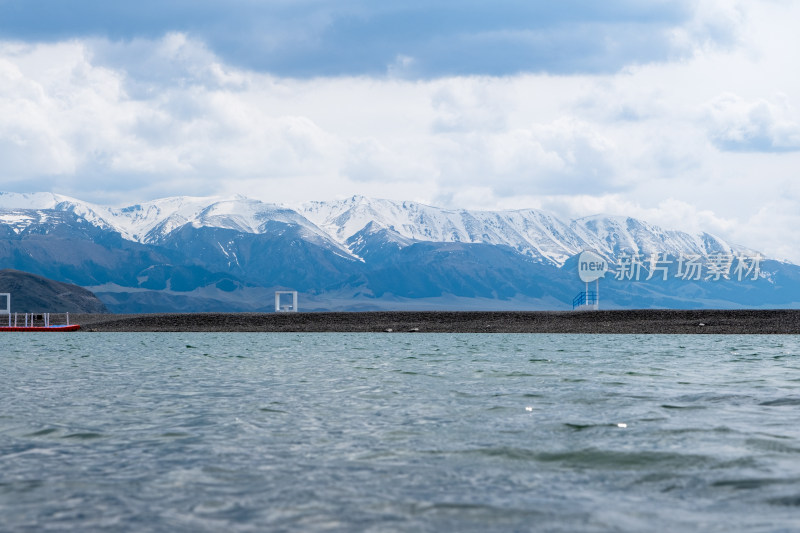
685,113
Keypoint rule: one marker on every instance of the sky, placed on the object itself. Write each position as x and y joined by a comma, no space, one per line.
682,113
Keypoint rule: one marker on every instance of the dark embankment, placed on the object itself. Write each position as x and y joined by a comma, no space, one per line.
633,321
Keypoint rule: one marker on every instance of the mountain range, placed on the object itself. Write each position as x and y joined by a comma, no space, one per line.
231,254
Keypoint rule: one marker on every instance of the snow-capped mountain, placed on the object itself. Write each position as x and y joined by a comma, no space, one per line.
615,235
151,222
533,233
536,234
539,235
154,221
193,254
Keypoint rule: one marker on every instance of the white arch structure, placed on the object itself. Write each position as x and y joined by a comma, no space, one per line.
279,308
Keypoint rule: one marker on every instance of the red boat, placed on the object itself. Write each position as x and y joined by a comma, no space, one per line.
28,321
71,327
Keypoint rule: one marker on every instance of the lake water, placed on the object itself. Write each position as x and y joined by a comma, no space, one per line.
399,432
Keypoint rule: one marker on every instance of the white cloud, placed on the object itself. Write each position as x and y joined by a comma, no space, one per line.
370,160
65,116
739,125
772,229
566,155
715,24
153,65
466,107
403,66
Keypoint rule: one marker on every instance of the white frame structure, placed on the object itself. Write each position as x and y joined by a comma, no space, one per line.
7,310
286,308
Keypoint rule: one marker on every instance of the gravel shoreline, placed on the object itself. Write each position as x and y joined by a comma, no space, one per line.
618,321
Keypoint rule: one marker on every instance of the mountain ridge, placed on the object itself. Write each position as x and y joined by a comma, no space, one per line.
231,254
535,233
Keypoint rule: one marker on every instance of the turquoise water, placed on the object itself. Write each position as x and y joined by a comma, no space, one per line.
399,432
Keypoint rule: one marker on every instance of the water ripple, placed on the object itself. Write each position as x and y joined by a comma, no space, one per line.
359,432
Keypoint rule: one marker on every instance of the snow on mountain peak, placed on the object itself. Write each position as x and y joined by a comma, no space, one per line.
529,231
539,235
614,235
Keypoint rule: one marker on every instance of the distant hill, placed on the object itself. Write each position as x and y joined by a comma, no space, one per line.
36,294
189,254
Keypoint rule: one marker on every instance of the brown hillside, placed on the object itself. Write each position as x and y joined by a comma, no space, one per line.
36,294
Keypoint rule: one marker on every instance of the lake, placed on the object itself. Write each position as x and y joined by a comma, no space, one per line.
399,432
